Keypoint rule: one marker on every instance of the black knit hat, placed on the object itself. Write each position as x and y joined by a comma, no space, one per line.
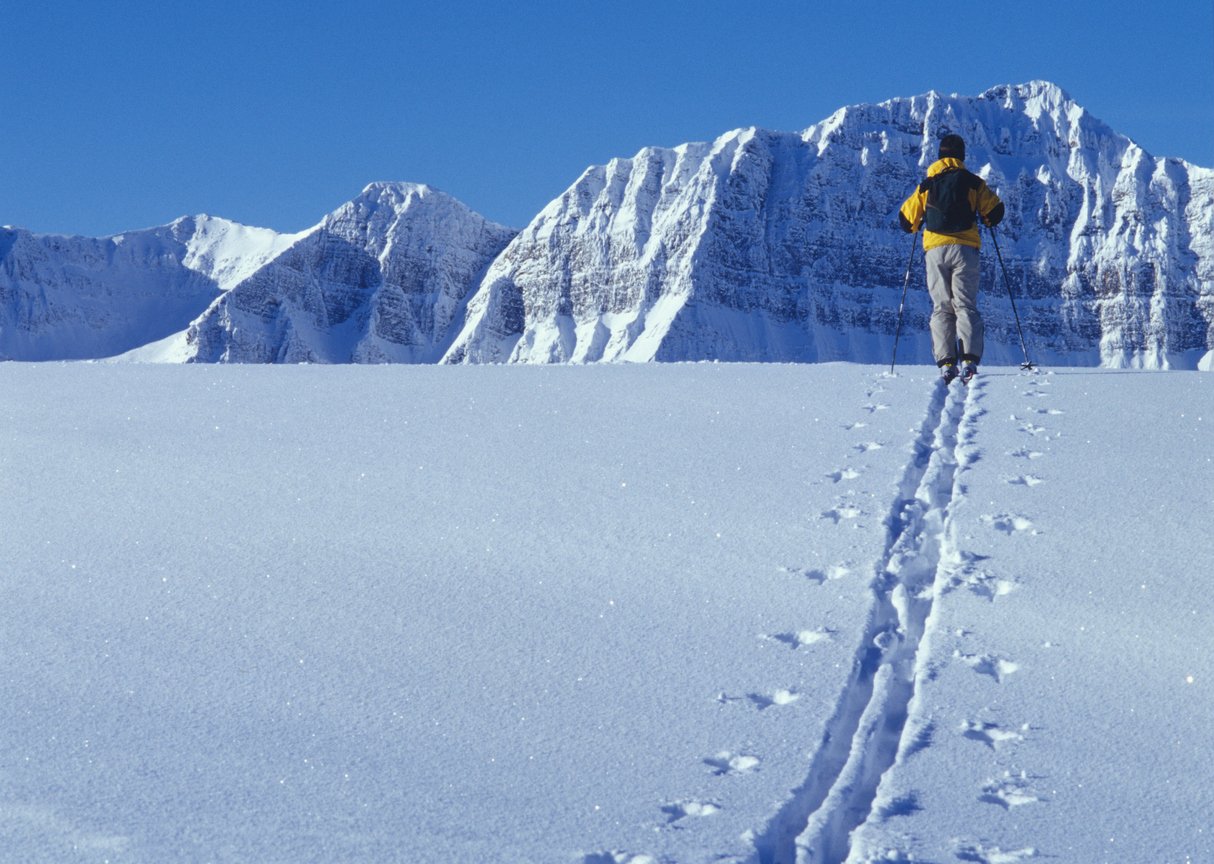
952,147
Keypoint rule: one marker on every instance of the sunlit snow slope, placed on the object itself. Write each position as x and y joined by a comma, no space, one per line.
606,614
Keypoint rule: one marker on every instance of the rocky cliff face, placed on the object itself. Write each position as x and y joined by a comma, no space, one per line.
781,246
382,279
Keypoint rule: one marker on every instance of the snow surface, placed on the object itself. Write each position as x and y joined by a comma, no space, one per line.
604,614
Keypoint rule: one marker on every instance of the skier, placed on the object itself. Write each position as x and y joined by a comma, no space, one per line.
945,204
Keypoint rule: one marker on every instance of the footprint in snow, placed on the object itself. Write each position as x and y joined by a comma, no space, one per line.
965,571
903,805
1033,429
618,858
802,638
992,734
681,810
1025,453
1029,480
842,512
1010,523
988,664
874,407
818,576
726,763
980,854
1053,412
983,584
859,424
919,735
843,474
836,572
1009,791
781,697
868,446
815,576
963,560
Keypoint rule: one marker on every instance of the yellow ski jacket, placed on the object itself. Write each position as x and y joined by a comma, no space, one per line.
984,202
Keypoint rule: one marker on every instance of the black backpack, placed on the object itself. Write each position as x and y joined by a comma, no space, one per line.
948,201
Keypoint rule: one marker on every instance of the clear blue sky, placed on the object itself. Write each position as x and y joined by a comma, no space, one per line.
127,114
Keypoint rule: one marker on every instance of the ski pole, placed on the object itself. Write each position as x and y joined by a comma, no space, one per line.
905,284
1027,364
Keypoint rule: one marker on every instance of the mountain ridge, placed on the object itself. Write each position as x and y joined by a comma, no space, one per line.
760,245
796,233
57,292
381,279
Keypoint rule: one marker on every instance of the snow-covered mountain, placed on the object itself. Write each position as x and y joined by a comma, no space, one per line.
384,278
82,297
781,246
761,245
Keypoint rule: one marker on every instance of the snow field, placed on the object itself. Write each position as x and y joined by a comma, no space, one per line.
615,614
1066,679
418,614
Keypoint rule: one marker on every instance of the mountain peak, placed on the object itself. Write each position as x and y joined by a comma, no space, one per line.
394,198
1036,89
395,193
1031,94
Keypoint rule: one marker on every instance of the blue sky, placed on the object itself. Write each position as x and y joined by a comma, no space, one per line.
127,114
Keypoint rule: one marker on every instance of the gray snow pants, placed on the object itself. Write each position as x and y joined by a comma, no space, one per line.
952,282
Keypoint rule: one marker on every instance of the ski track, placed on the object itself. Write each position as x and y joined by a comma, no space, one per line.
865,733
